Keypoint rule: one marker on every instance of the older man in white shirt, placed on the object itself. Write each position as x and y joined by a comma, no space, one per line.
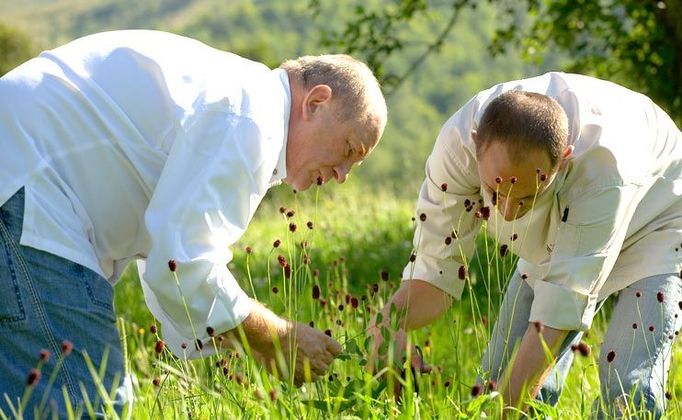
586,177
147,145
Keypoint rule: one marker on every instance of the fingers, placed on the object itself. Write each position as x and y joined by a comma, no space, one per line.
333,347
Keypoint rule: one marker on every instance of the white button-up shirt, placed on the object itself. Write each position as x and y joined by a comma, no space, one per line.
612,216
143,144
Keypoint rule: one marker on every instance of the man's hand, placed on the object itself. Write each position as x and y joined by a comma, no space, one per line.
313,350
276,343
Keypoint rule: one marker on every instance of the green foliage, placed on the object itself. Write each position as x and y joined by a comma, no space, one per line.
15,48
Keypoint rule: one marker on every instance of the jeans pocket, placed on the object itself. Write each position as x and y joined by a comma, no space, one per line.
99,291
12,309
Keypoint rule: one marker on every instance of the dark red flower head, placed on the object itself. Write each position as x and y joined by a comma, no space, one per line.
539,326
513,179
660,297
316,292
153,329
282,210
476,390
319,180
413,257
448,240
498,179
504,250
543,177
45,355
248,250
34,376
160,345
292,227
67,347
444,186
172,265
210,331
422,217
354,302
309,224
276,243
384,275
462,272
156,381
328,332
291,213
282,261
611,356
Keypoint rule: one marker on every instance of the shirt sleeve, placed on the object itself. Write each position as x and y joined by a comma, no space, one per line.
587,245
446,228
211,184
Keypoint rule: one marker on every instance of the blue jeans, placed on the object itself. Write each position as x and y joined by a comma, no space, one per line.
46,301
640,337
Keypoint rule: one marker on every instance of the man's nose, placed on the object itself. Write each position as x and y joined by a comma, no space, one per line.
341,173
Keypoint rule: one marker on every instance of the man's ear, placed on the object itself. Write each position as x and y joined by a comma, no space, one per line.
568,151
317,97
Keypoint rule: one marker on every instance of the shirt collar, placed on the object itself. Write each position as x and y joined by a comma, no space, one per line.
280,171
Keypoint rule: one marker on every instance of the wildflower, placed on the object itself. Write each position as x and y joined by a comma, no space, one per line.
504,250
446,384
476,390
184,345
282,261
341,307
347,298
172,265
309,224
660,296
467,203
160,345
490,385
67,347
485,212
539,326
323,302
287,271
316,273
513,179
156,381
611,356
290,213
328,332
384,275
34,376
462,272
44,355
276,243
248,250
634,326
198,344
354,302
273,395
668,395
316,292
498,179
292,227
422,217
652,328
282,210
319,180
448,240
514,237
583,349
210,331
413,257
524,276
153,329
638,294
494,198
444,186
454,234
275,290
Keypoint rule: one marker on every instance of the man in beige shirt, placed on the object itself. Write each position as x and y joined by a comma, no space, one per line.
580,178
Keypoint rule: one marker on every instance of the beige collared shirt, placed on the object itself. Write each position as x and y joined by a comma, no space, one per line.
612,216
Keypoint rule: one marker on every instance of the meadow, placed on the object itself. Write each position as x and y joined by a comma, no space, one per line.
351,246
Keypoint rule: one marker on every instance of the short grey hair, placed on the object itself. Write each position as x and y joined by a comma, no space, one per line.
353,84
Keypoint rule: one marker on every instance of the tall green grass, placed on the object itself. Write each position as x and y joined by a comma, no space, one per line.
355,236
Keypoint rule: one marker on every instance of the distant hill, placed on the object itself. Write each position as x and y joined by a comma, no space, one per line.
273,30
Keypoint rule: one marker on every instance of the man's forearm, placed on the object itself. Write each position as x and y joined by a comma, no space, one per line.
418,303
529,368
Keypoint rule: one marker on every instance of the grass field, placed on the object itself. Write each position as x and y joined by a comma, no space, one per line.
354,237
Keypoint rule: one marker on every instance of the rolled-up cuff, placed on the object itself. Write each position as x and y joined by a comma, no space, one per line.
561,308
444,274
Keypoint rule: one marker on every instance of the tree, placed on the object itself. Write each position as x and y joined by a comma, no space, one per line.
15,48
635,43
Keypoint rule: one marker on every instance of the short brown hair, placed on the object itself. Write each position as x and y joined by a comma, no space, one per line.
352,82
524,121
